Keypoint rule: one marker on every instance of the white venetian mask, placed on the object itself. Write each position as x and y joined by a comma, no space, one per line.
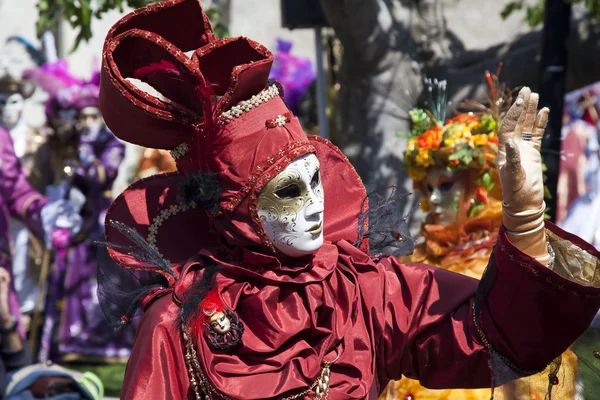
290,208
90,122
11,109
443,190
220,323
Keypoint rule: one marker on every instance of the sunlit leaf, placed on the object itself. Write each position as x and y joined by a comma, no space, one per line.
80,13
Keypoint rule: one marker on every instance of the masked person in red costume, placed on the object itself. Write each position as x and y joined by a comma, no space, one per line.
255,261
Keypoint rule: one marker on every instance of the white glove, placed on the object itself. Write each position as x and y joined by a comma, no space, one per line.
521,177
61,213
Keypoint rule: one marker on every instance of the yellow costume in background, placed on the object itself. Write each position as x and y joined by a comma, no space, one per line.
454,167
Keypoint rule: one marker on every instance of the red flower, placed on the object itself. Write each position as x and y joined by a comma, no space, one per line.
465,118
493,140
430,139
481,195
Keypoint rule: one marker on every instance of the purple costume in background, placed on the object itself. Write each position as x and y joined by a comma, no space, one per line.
293,72
75,328
19,200
82,331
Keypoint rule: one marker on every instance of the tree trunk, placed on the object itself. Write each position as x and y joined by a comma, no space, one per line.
390,46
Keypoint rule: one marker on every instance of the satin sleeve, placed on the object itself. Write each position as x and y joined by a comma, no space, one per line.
449,331
530,313
428,332
156,368
23,202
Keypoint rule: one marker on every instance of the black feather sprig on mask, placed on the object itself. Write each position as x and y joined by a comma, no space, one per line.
387,228
201,188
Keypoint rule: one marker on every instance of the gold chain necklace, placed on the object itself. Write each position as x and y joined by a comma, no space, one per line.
201,385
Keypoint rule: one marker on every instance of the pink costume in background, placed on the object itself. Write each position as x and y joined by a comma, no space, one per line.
19,200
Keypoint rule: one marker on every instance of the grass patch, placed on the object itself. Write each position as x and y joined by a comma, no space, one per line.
111,375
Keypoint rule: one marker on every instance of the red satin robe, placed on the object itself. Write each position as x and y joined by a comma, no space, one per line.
387,319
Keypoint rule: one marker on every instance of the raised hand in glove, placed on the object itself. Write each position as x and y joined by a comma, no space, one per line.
520,170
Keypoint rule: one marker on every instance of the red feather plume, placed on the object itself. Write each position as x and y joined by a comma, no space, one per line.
209,305
163,66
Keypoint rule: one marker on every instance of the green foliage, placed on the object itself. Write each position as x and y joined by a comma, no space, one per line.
421,121
487,124
216,19
534,13
475,209
547,194
479,155
80,13
111,375
485,181
511,7
464,154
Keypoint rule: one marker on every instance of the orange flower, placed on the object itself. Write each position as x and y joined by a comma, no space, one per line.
431,138
481,195
493,140
465,118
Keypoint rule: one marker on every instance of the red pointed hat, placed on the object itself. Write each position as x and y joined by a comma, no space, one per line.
215,113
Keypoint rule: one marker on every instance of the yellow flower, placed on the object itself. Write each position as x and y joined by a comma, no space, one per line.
448,142
412,144
423,158
480,140
456,130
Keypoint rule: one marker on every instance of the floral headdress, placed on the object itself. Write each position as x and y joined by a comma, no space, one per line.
469,140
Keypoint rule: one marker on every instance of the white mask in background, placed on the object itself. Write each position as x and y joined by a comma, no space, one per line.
290,208
11,109
443,190
90,122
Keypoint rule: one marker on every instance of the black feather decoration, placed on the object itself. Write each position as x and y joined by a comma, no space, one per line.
190,308
202,188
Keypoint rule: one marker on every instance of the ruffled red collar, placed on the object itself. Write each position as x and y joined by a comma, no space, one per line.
295,317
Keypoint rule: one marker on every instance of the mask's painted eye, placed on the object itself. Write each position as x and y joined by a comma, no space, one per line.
429,188
444,187
288,192
316,179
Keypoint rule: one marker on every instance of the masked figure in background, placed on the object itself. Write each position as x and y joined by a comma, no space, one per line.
258,271
80,142
575,136
20,201
583,217
454,166
27,141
